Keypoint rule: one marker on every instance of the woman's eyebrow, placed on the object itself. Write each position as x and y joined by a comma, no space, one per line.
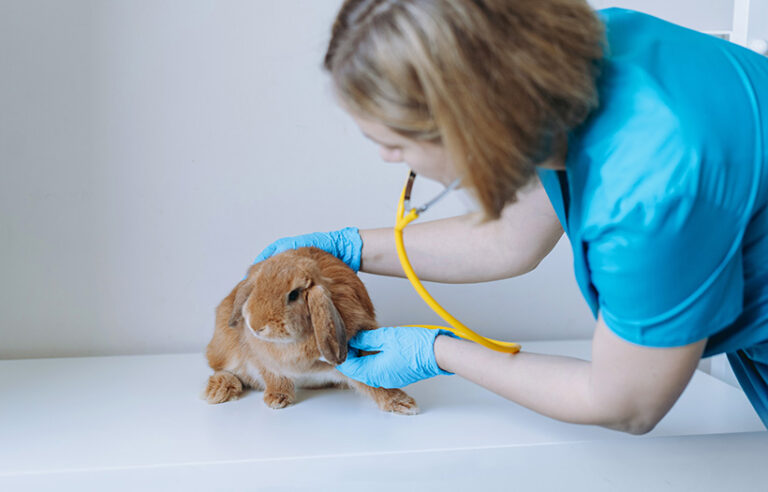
377,141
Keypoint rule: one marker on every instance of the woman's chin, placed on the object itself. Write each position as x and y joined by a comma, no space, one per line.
443,180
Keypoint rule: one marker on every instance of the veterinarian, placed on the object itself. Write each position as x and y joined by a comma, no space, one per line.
646,143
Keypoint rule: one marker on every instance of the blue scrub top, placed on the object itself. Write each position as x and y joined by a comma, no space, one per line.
665,194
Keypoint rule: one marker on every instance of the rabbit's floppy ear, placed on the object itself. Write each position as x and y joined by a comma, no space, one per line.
243,291
330,333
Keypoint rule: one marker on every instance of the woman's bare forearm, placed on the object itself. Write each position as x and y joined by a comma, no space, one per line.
431,247
625,386
462,250
554,386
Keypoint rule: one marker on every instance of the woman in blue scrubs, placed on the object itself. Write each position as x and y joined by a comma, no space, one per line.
645,142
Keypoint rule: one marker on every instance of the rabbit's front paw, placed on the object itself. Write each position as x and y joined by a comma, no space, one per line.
223,386
397,401
277,400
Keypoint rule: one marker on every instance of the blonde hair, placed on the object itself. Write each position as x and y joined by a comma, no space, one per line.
495,81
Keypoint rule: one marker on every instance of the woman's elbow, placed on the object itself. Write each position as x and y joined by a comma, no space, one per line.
639,427
524,267
637,423
628,415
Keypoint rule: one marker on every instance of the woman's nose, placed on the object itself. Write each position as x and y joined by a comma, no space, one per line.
391,155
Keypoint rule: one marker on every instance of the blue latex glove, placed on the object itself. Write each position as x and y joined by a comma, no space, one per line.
406,355
345,244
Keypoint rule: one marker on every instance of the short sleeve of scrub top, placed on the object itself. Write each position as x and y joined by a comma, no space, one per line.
666,194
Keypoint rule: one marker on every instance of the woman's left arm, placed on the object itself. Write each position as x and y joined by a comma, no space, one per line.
625,387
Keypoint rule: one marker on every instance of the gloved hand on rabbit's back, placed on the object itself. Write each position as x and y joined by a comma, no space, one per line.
345,244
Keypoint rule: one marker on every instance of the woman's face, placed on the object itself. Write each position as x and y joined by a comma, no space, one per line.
425,158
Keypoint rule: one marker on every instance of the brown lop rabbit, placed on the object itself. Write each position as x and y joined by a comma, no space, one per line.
275,325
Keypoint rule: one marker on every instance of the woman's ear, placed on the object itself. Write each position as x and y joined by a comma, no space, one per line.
330,334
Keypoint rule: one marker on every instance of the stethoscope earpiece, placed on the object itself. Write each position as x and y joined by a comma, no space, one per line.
426,206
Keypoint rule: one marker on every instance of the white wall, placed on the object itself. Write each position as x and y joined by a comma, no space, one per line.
708,15
151,149
758,20
705,15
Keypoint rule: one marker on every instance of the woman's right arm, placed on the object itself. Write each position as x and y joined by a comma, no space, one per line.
461,250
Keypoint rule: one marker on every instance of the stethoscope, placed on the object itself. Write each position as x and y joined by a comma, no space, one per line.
403,220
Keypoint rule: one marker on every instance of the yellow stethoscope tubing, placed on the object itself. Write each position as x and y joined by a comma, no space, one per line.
457,327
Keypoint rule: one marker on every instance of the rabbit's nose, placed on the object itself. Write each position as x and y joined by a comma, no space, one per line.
254,330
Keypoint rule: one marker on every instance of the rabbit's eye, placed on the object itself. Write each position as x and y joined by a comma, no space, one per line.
293,295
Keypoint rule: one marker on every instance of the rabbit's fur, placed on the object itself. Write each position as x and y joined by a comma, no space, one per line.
275,325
